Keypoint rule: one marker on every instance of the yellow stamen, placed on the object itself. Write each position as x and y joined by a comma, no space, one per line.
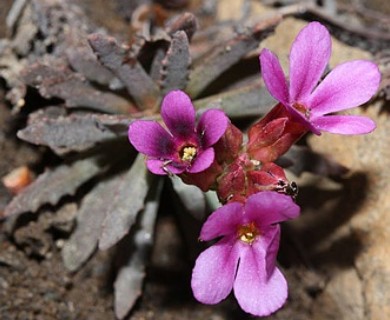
248,233
188,153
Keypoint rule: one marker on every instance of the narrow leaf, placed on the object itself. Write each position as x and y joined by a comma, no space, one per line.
128,283
186,22
60,82
52,185
253,100
76,132
127,200
223,57
176,63
83,60
90,216
192,198
137,82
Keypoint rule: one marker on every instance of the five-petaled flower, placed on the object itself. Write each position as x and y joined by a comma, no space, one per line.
244,258
348,85
184,148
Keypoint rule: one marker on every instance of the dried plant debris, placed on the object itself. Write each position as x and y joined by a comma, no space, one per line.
36,237
38,28
365,19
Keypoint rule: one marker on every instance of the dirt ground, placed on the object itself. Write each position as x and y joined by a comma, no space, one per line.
335,257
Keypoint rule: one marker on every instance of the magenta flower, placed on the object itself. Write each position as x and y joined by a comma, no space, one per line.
244,258
183,148
348,85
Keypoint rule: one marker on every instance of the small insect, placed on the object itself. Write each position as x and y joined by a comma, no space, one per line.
290,189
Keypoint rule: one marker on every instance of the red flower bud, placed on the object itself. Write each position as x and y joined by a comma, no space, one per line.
273,135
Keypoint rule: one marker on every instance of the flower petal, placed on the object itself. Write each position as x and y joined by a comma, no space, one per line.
214,271
269,207
300,118
255,292
271,236
203,161
345,124
222,222
273,76
150,138
178,114
156,167
309,56
346,86
211,127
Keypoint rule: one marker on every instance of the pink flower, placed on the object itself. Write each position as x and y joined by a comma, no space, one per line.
348,85
244,258
183,148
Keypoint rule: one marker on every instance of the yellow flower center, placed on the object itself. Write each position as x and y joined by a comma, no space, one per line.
248,233
188,153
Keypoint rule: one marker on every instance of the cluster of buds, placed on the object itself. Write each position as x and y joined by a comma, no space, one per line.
253,190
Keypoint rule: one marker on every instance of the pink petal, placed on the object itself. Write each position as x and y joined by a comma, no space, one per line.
223,222
309,56
211,127
269,207
271,236
157,167
178,114
150,138
214,271
345,124
348,85
299,117
273,76
256,292
202,161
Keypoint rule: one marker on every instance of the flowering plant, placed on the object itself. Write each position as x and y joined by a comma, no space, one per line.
348,85
254,190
